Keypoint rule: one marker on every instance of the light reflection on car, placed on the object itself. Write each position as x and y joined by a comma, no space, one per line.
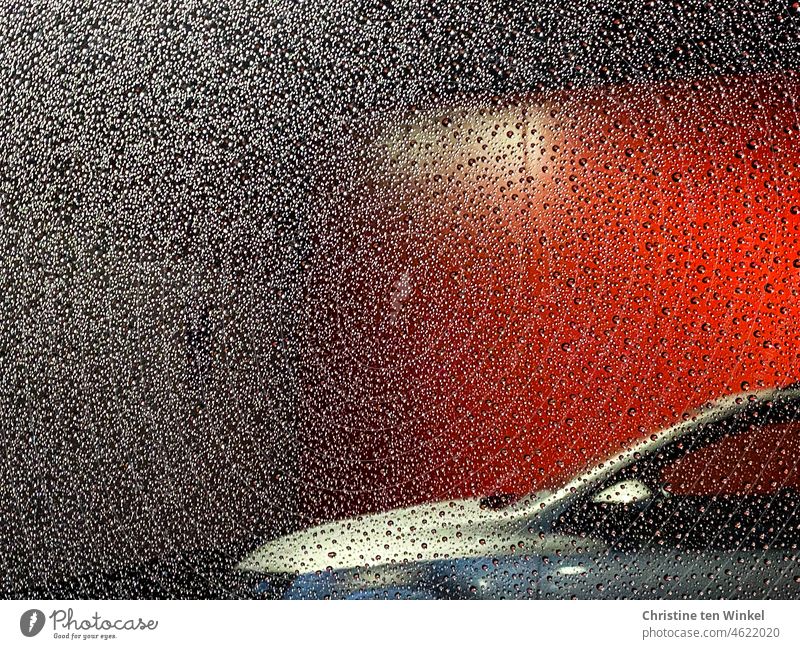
708,508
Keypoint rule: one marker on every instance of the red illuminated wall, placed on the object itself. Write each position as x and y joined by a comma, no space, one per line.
493,306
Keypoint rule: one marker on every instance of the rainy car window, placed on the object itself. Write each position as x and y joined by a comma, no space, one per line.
352,299
763,460
733,493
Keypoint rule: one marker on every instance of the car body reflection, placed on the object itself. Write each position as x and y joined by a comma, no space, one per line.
708,508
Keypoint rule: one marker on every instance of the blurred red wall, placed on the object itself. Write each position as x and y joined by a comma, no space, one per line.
510,289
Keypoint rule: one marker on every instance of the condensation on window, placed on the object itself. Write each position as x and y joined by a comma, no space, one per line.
479,299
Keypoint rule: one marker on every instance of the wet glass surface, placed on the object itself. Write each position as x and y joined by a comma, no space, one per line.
315,300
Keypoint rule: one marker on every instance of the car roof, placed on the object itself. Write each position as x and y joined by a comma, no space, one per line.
698,421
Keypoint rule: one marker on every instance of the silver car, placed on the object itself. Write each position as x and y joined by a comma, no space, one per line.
708,508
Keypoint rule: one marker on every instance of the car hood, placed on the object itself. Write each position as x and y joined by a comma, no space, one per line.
436,531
